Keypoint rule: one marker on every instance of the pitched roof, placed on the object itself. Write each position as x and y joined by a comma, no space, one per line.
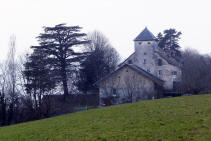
145,35
126,59
137,69
171,60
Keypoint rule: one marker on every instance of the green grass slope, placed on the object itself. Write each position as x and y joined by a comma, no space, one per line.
173,119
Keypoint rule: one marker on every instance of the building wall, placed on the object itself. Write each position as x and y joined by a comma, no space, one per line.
146,50
126,80
167,73
124,83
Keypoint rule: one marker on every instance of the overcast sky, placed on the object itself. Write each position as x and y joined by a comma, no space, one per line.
120,20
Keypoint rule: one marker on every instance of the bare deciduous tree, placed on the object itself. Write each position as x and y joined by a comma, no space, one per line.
9,93
134,87
196,72
101,60
12,79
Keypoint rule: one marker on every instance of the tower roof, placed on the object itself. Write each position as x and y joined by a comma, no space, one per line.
145,35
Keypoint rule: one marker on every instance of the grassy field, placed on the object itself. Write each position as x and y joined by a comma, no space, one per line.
172,119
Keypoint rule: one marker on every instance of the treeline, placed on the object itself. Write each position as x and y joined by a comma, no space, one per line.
196,72
55,76
58,75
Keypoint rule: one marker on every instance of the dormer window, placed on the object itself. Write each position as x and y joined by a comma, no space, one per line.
160,62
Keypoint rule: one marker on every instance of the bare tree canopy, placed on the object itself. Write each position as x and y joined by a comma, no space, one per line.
9,94
196,72
101,60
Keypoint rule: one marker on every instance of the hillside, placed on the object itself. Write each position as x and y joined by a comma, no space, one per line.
173,119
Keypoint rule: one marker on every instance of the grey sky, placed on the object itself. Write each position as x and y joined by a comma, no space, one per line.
120,20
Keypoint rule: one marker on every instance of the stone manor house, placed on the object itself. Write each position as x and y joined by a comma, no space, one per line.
145,74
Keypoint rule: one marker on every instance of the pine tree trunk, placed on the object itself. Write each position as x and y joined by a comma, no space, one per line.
64,79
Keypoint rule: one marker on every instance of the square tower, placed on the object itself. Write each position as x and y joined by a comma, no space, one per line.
145,44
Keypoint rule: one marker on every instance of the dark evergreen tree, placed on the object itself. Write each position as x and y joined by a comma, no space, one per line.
160,40
168,41
58,43
40,78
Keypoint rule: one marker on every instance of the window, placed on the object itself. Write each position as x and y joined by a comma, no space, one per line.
149,43
148,70
159,72
160,63
145,53
140,43
174,73
114,91
130,62
144,61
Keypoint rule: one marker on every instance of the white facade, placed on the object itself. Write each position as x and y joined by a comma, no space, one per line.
148,56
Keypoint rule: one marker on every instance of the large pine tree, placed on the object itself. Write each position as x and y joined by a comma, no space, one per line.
58,43
169,41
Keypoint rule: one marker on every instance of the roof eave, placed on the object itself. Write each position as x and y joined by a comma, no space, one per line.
145,40
153,78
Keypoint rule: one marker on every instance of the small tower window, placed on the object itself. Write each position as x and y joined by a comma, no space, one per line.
160,62
145,61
